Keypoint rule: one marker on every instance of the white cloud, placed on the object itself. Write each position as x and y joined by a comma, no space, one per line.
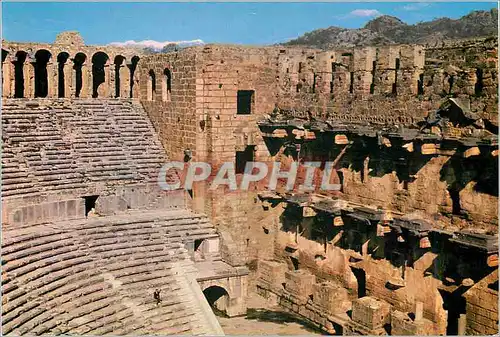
365,12
157,45
415,6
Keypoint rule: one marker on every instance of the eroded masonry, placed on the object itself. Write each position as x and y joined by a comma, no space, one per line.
92,245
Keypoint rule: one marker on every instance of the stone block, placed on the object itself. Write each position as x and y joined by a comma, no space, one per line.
330,296
370,312
341,140
272,272
210,246
300,282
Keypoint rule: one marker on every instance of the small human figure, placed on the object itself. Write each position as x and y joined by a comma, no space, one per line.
156,296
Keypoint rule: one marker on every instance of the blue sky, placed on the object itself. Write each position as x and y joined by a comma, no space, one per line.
245,23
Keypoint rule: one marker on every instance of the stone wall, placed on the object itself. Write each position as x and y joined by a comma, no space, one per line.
31,210
395,84
222,71
171,105
423,284
482,307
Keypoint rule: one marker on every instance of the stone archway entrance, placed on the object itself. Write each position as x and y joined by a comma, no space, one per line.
218,298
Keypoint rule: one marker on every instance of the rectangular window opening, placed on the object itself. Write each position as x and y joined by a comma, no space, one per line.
243,157
245,102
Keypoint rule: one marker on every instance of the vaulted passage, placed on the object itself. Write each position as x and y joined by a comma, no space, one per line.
78,61
19,74
455,304
218,298
132,66
99,64
361,278
42,58
62,58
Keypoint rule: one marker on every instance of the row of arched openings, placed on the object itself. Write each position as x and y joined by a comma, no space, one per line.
166,85
41,59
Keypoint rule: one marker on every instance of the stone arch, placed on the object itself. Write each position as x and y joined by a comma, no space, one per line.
62,59
78,67
99,74
231,298
42,58
119,62
151,89
19,87
217,297
132,67
167,85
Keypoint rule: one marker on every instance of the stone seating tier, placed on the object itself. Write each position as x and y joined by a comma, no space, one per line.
97,275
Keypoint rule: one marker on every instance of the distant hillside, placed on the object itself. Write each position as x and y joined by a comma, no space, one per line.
387,29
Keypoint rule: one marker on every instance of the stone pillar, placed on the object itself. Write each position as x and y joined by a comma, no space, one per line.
52,80
86,91
29,77
107,92
124,81
136,89
112,80
7,73
12,77
419,311
462,323
69,86
128,66
363,70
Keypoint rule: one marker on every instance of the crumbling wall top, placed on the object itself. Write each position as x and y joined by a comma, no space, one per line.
72,38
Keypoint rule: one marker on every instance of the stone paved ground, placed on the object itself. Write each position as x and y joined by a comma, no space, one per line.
262,319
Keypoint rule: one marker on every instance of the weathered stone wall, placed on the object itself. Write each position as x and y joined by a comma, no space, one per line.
355,256
171,105
395,84
31,210
482,307
428,190
222,71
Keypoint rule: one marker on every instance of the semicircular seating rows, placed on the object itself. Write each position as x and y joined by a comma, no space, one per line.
98,275
53,145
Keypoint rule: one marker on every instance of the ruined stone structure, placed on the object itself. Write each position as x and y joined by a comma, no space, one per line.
407,246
